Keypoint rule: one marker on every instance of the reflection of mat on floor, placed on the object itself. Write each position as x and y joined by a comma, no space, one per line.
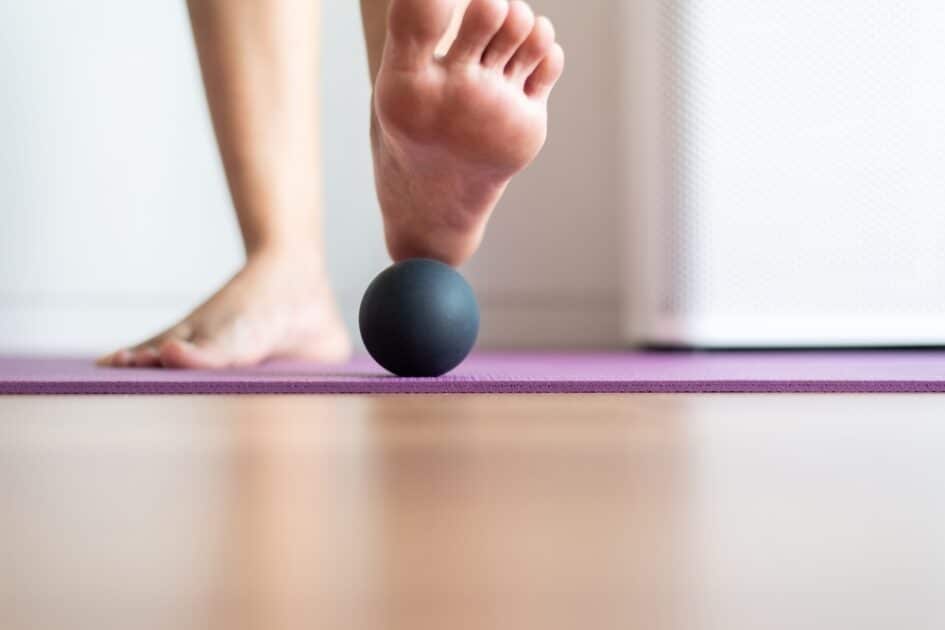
899,371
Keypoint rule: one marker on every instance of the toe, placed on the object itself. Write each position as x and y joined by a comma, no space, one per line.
415,27
147,356
542,81
518,24
181,354
142,355
119,358
146,353
535,48
482,21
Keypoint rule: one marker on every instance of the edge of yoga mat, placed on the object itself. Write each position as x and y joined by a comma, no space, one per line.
510,373
521,387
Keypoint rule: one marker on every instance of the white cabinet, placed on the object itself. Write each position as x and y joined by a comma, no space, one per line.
786,172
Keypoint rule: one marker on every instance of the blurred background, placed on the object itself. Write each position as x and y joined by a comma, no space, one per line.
718,174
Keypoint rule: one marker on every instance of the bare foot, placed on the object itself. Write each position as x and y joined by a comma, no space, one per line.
273,308
450,132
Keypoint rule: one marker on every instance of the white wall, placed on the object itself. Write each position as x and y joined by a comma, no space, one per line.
115,218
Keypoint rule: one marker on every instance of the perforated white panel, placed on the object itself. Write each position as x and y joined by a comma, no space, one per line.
802,181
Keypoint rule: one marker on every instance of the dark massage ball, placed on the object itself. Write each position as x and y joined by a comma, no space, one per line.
419,318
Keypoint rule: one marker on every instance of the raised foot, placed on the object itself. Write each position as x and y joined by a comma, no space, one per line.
449,132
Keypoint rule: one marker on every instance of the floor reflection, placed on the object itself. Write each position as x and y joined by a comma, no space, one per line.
345,512
301,537
546,512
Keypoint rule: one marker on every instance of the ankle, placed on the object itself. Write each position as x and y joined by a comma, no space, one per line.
300,258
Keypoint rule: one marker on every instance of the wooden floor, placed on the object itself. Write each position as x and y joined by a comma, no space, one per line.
544,512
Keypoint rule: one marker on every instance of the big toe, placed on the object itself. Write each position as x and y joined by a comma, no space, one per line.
415,28
146,353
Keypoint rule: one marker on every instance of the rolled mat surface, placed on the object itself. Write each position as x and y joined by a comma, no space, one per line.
505,373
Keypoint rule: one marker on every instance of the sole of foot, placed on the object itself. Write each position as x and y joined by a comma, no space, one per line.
449,132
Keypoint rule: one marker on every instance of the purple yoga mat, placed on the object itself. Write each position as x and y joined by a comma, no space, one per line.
917,371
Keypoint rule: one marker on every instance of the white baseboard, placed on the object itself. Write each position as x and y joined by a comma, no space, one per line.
826,330
86,325
90,324
556,322
48,328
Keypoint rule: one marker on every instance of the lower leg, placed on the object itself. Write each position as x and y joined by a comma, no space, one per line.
259,62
